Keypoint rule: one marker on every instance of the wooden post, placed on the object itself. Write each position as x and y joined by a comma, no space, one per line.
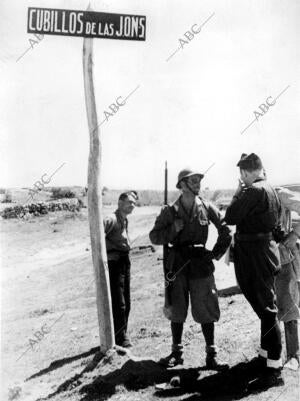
103,297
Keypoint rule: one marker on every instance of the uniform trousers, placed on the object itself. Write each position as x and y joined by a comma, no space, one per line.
256,263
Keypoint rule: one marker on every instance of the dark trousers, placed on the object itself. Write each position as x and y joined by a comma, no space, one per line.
291,339
255,267
119,276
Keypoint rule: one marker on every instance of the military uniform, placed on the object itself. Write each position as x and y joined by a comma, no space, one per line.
183,228
188,271
255,211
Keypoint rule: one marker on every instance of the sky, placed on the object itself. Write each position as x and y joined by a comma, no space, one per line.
188,109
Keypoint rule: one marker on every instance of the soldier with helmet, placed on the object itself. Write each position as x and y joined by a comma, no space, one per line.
189,265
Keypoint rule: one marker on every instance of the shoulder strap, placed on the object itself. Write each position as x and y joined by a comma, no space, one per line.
278,204
173,211
204,203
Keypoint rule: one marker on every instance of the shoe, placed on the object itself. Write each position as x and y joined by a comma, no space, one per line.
292,364
212,363
123,342
269,378
257,364
172,360
126,343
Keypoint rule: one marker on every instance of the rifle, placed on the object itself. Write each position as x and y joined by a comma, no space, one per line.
166,247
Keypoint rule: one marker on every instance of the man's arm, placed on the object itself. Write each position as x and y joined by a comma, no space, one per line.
241,204
224,234
291,201
166,227
108,223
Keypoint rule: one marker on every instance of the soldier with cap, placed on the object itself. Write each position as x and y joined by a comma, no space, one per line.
255,210
118,247
189,265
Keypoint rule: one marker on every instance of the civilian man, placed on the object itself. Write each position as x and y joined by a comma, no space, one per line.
118,247
288,280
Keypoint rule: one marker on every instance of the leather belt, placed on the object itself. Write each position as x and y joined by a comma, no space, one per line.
254,237
118,251
189,246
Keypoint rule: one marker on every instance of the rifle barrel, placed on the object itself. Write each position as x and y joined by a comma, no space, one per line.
166,184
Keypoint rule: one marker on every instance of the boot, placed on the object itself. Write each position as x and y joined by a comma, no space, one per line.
174,359
212,362
123,341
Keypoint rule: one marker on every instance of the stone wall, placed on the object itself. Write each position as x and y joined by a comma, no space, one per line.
39,208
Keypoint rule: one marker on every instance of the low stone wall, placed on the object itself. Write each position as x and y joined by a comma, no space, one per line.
39,208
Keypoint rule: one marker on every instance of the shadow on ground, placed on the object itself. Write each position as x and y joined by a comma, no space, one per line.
61,362
228,385
120,368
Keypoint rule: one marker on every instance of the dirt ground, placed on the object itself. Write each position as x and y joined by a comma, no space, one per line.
50,330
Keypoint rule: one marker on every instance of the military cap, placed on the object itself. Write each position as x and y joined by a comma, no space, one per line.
134,194
250,162
186,173
125,195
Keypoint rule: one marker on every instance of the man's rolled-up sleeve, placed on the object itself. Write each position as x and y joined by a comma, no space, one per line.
164,230
224,234
108,224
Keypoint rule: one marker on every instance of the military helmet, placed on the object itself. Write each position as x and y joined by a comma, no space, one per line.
186,173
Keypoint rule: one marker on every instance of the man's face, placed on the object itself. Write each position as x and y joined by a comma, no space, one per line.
127,205
191,184
248,177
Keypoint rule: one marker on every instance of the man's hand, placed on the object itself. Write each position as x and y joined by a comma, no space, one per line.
240,187
209,256
290,240
179,224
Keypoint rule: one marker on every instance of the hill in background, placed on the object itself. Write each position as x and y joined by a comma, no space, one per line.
110,196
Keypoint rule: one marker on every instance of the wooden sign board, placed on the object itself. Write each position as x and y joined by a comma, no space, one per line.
89,24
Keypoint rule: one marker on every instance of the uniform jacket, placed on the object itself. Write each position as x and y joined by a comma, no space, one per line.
255,209
195,230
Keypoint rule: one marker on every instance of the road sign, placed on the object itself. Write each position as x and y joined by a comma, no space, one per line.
89,24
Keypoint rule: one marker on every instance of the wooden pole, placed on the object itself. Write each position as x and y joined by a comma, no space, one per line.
168,299
103,297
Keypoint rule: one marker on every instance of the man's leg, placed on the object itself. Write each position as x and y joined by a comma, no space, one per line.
127,291
264,305
206,311
175,358
271,339
292,344
287,293
177,312
116,277
177,330
208,330
212,362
